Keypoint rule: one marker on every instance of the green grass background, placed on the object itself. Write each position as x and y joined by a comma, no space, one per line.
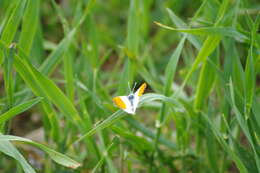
62,62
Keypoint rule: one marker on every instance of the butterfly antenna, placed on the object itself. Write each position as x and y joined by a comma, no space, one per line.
129,86
134,87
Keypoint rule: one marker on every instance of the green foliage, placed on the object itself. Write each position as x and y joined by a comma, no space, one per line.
62,62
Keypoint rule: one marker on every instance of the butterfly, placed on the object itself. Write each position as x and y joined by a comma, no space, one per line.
129,103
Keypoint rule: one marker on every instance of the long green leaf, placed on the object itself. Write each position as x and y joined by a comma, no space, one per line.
12,24
7,148
172,66
208,47
47,88
44,87
55,156
225,145
105,153
29,25
133,28
209,31
8,76
18,109
206,79
55,57
169,74
180,24
250,74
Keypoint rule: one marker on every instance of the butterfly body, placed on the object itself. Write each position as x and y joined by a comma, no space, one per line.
129,103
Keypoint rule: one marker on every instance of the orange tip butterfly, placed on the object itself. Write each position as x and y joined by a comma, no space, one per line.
129,103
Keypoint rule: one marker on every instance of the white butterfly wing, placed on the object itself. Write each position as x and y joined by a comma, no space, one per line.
129,107
138,94
129,103
124,103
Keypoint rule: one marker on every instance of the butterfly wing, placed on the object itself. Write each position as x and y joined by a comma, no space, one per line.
123,103
138,94
129,103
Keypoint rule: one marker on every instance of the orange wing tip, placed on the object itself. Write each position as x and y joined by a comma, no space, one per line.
141,89
119,102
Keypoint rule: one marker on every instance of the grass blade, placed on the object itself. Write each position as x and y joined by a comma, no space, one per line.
208,47
55,156
8,76
225,145
54,58
180,24
105,153
206,79
250,74
44,87
12,24
18,109
133,28
209,31
29,25
169,74
7,148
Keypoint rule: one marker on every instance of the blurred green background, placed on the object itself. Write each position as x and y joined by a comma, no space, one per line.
62,62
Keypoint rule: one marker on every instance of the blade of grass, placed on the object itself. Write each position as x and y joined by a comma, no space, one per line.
62,18
29,25
209,31
209,45
172,66
169,76
92,147
105,153
46,88
36,87
54,155
132,46
242,120
7,148
9,83
12,24
68,73
225,145
125,78
180,24
149,133
212,151
137,142
244,125
102,147
16,110
133,28
246,157
50,120
54,58
152,82
250,75
105,123
206,79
